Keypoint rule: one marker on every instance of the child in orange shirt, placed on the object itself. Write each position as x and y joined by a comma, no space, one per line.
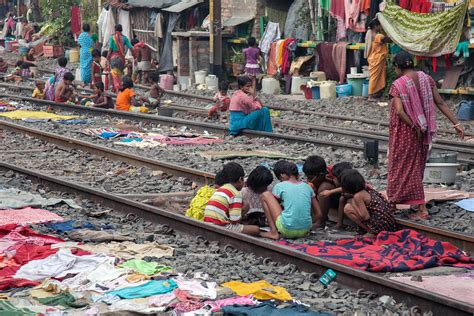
126,97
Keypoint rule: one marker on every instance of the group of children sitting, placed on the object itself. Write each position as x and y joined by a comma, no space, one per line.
60,88
292,207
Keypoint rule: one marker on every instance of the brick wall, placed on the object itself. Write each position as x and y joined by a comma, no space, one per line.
255,7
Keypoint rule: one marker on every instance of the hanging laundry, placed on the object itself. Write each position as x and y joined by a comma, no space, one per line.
338,12
76,20
272,33
272,67
339,57
326,62
429,35
354,19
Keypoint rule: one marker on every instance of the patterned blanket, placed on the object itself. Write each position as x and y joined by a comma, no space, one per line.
429,34
404,250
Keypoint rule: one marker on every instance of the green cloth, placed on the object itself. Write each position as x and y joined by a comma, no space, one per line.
8,309
325,4
424,34
95,37
114,47
143,267
64,299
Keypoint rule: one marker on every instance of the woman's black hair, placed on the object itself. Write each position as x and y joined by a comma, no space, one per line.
243,80
105,53
134,41
68,76
252,41
100,85
233,172
95,53
279,168
220,179
314,166
155,77
223,86
25,66
62,61
375,22
352,181
86,27
118,28
403,60
340,167
127,82
259,179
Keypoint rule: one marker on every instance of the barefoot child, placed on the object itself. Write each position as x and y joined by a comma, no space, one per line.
366,207
156,92
96,68
64,92
38,93
252,55
221,99
294,217
101,99
320,178
225,206
258,181
126,97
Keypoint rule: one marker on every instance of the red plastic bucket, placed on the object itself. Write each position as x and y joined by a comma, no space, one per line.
308,94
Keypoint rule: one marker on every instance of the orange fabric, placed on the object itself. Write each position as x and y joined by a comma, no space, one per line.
377,64
365,7
280,46
124,100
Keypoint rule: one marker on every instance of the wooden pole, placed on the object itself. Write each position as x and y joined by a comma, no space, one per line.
215,39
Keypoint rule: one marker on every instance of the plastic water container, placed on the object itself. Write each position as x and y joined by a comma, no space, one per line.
356,81
328,90
78,77
318,76
74,55
365,88
166,82
443,157
440,173
212,82
296,83
200,76
315,92
466,111
343,90
270,86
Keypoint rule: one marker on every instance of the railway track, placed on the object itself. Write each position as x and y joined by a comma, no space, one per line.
352,278
466,150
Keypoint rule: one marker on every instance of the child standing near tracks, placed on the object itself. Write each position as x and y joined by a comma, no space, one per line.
225,206
365,206
291,208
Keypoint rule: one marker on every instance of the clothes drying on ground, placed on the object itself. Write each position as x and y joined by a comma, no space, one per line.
430,35
144,267
195,287
97,236
261,290
36,115
404,250
149,289
270,309
239,300
27,216
466,204
63,299
104,133
69,226
14,198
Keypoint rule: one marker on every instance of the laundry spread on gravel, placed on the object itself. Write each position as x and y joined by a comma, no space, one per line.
26,216
404,250
14,198
36,116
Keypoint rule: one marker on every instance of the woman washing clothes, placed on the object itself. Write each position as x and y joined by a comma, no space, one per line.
377,61
246,110
411,131
116,56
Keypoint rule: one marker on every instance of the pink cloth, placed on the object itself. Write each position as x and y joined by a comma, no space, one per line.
241,102
25,235
352,10
418,102
240,300
185,140
338,11
26,216
339,56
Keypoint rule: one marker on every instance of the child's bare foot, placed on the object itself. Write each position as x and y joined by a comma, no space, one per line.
270,235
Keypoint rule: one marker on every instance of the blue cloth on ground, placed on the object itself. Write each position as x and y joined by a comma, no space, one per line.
269,309
467,204
148,289
73,122
107,135
68,226
258,120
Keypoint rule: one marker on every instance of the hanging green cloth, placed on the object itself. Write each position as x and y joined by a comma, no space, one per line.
424,34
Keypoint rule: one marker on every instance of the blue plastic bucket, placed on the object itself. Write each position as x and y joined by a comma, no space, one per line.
315,93
466,111
344,90
365,89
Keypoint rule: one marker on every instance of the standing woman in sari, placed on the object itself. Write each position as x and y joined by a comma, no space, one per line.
246,110
411,131
87,44
116,56
377,60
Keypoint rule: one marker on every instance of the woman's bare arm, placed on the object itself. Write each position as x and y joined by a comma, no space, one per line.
443,107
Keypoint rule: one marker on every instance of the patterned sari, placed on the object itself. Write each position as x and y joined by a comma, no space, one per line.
117,62
87,44
407,154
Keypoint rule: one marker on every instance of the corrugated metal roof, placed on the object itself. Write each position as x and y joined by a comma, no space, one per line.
237,20
183,5
157,4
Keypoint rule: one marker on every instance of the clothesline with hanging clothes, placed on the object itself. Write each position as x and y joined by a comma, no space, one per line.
304,44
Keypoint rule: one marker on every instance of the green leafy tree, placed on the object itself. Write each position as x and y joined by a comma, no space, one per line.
57,14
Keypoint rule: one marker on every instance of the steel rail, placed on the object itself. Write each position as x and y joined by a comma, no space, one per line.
462,241
349,277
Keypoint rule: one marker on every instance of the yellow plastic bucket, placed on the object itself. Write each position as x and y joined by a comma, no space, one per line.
74,55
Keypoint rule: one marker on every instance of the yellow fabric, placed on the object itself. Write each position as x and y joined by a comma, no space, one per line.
377,64
199,202
24,114
37,94
261,290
